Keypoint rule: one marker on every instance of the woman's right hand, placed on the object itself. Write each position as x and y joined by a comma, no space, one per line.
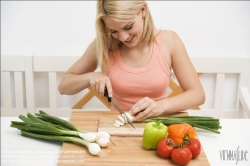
99,81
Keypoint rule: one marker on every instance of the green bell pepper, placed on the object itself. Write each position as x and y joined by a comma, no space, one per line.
152,133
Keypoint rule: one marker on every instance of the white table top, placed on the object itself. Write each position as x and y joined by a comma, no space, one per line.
23,151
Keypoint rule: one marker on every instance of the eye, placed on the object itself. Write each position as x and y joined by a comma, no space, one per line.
129,27
112,31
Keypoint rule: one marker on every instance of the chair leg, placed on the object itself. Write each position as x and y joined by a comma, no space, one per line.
102,99
84,99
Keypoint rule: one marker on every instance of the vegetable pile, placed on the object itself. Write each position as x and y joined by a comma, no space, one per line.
179,142
45,126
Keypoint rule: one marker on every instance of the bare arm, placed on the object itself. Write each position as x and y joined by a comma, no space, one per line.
78,75
193,94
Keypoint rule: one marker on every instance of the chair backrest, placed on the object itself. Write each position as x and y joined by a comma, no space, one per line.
17,89
221,68
230,75
53,67
29,84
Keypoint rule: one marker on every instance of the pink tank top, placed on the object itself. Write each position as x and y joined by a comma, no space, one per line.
132,84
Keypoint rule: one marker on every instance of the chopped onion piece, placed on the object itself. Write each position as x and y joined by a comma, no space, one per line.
121,119
119,122
116,125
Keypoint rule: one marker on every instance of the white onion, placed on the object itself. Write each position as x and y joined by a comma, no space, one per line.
125,118
90,137
94,148
102,134
131,118
103,141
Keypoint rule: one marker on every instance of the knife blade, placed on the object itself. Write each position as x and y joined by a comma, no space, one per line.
117,107
121,112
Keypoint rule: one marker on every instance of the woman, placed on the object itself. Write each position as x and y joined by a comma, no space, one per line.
135,60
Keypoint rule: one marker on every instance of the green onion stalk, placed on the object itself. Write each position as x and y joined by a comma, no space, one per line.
202,122
45,126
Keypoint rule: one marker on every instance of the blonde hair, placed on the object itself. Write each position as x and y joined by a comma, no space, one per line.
119,10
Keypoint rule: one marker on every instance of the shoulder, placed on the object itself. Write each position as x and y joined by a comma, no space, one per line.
171,39
89,55
170,36
168,33
92,45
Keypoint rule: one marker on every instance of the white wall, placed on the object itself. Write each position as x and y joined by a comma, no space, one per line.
207,28
41,28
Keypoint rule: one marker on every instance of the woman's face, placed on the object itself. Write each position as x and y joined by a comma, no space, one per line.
128,32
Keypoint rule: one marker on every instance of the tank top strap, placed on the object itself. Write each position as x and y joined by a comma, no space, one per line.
112,55
160,55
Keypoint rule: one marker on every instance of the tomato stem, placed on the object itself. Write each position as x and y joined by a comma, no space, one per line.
169,142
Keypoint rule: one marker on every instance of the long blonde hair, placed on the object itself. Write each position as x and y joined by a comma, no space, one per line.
119,10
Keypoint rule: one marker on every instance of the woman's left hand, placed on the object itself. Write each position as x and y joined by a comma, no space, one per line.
146,108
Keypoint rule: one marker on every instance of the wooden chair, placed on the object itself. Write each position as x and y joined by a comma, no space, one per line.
208,65
16,71
85,99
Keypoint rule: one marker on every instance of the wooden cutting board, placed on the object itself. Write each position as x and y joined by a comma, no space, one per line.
122,151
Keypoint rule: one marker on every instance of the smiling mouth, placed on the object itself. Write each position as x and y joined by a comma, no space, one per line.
130,39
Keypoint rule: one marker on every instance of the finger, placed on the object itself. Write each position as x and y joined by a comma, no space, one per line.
138,106
143,114
101,88
92,84
97,85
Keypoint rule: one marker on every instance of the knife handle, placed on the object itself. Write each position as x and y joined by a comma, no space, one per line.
106,94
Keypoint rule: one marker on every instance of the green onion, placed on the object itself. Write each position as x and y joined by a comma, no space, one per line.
45,126
93,148
25,119
201,122
59,121
38,120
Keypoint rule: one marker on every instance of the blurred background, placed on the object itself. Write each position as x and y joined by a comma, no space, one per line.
65,28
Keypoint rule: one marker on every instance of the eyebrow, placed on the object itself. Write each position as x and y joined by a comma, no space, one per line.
131,22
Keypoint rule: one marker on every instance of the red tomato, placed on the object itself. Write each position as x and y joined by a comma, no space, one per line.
194,147
165,147
181,156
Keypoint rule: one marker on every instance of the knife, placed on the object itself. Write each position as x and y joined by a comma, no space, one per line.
111,100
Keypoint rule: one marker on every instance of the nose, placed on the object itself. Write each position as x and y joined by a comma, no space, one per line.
123,36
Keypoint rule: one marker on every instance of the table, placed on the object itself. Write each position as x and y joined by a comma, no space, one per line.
18,150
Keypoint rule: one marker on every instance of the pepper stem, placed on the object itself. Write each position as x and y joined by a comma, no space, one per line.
157,125
186,137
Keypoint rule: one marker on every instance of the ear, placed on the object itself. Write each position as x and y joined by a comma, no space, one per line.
143,10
